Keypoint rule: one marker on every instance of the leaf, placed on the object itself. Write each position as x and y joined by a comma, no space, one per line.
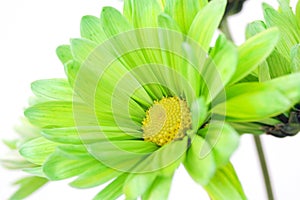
206,22
201,168
223,139
91,28
113,190
254,51
37,150
225,185
254,28
28,186
52,89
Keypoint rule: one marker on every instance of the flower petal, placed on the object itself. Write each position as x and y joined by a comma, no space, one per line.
206,22
254,51
91,28
53,89
225,185
295,58
81,49
64,53
200,168
142,13
113,190
37,150
159,189
223,139
183,12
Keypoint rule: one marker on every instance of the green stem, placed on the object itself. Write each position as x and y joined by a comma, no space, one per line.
225,28
264,167
260,151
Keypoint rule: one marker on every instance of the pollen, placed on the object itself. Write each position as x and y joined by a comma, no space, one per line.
167,120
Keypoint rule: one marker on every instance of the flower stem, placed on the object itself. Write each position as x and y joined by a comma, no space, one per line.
259,147
225,28
264,167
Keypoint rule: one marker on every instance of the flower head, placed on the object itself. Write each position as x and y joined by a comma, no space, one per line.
145,93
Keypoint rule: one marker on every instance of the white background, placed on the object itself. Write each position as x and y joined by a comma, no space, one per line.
31,30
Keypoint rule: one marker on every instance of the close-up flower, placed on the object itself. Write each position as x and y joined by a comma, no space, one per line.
147,90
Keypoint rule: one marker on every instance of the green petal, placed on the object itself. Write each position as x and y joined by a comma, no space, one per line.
183,12
37,150
142,13
253,101
254,51
114,22
53,89
36,171
167,22
223,139
71,70
81,49
223,67
278,64
113,190
199,113
28,186
225,185
122,155
201,168
55,114
95,176
255,28
295,58
298,13
64,53
137,184
160,189
206,22
87,135
91,28
288,29
58,166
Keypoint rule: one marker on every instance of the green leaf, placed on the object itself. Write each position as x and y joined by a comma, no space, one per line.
143,13
91,28
28,186
53,89
183,12
206,22
114,22
137,184
201,168
159,189
95,176
55,114
295,58
113,190
254,51
59,166
37,150
64,53
225,185
298,13
223,139
81,49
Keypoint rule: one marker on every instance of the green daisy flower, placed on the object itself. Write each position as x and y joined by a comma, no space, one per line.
145,93
283,61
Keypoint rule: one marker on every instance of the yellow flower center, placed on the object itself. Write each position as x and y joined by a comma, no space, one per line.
166,120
